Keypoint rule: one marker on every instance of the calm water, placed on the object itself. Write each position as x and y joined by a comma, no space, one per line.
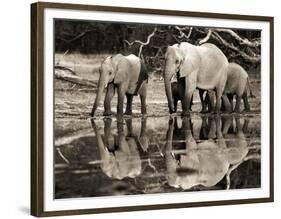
104,157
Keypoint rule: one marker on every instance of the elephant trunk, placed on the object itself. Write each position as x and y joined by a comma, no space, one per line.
101,87
168,89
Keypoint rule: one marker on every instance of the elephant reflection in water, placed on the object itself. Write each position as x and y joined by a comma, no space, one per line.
207,162
120,157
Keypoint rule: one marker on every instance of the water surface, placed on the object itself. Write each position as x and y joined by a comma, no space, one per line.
104,157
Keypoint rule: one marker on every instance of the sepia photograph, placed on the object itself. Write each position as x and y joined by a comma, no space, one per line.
144,108
138,109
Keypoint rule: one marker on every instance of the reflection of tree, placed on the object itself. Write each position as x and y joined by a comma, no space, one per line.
207,162
239,132
62,156
255,156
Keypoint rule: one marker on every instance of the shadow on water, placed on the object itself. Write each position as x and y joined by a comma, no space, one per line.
156,155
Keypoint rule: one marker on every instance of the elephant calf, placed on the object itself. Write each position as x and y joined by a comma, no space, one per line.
178,93
127,75
237,84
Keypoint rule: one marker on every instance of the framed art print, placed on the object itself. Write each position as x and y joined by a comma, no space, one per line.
142,109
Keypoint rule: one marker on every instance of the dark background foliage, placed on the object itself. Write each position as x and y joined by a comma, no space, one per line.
97,37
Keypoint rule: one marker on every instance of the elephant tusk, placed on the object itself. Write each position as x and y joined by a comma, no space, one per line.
173,78
105,86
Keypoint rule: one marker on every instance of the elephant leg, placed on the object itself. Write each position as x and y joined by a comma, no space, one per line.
191,103
226,104
218,100
210,101
230,98
186,102
143,105
222,106
143,93
175,104
237,105
129,104
246,102
219,92
120,102
107,101
190,86
203,101
185,106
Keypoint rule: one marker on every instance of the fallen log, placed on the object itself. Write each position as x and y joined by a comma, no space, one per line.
59,67
64,75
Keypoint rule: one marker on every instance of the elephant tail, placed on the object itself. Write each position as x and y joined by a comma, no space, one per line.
249,87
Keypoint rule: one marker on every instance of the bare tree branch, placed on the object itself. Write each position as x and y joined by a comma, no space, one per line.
207,37
182,34
59,67
253,59
242,41
58,62
190,31
142,44
183,28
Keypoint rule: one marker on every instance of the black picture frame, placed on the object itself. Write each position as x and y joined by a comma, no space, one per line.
37,107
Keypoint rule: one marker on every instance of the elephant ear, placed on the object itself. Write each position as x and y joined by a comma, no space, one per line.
121,71
187,67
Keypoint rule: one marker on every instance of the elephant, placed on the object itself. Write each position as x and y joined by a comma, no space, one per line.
237,84
205,163
127,75
119,153
201,67
178,93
